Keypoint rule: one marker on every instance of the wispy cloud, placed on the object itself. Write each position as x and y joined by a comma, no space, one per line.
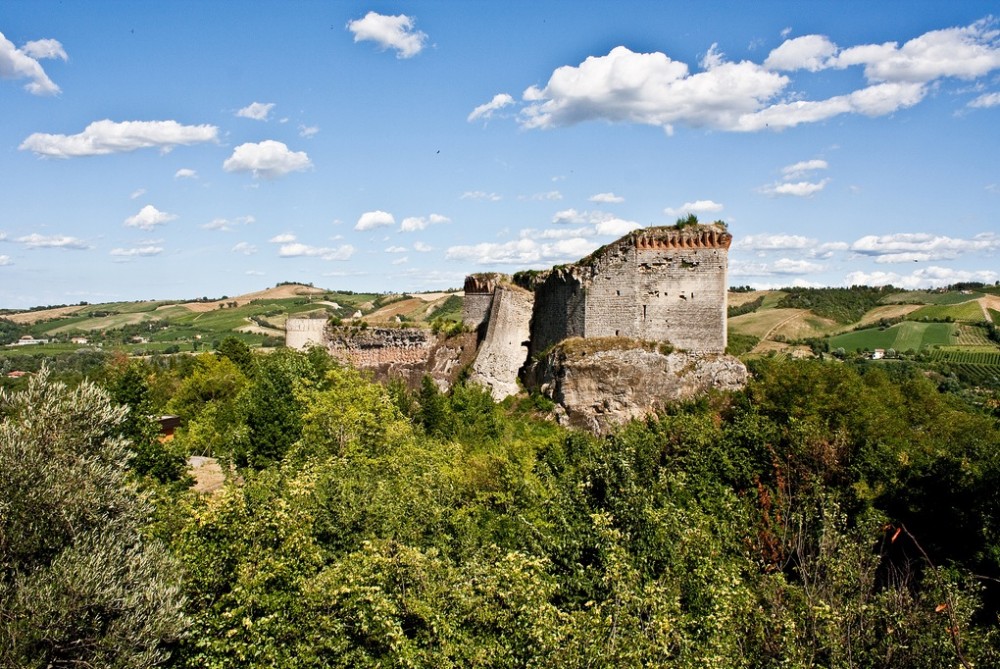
138,251
296,250
227,224
414,223
106,137
258,111
486,110
37,241
607,198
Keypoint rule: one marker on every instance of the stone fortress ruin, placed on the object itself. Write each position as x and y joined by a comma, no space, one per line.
662,284
650,308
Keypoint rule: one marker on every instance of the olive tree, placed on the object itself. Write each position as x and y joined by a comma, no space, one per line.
81,585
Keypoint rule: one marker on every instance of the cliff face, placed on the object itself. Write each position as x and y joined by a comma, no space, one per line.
599,384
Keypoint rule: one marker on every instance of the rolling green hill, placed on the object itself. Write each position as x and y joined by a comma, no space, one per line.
945,330
257,319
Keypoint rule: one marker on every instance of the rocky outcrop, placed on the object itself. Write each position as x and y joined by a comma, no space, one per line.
504,349
599,384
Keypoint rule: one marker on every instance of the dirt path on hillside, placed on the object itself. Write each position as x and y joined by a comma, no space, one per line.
989,302
778,325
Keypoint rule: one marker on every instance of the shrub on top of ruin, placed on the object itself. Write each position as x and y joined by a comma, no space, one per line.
686,221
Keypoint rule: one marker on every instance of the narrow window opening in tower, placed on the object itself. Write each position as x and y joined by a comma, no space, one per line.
644,312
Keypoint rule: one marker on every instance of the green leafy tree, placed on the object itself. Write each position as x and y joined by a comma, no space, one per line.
128,385
237,351
80,584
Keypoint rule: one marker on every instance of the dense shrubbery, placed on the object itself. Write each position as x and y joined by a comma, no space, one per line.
745,308
844,305
826,516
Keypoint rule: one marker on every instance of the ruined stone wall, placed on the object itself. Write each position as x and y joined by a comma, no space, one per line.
478,298
300,333
407,354
371,347
659,284
661,294
560,308
504,349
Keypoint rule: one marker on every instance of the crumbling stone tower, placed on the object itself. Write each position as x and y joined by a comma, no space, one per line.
664,284
658,284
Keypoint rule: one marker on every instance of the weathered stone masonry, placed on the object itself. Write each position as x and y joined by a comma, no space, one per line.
655,284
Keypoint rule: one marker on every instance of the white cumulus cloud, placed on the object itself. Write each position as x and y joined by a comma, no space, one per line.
696,207
773,242
5,260
965,53
485,111
421,247
283,238
374,219
148,218
653,89
246,248
616,227
23,63
389,32
185,173
105,137
258,111
267,159
919,246
925,277
606,198
810,52
524,251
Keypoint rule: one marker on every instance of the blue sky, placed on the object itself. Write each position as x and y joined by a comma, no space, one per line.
182,149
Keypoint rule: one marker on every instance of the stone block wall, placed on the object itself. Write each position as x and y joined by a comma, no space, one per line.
661,294
478,299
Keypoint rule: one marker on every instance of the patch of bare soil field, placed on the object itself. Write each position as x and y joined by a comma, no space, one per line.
31,317
888,311
277,293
